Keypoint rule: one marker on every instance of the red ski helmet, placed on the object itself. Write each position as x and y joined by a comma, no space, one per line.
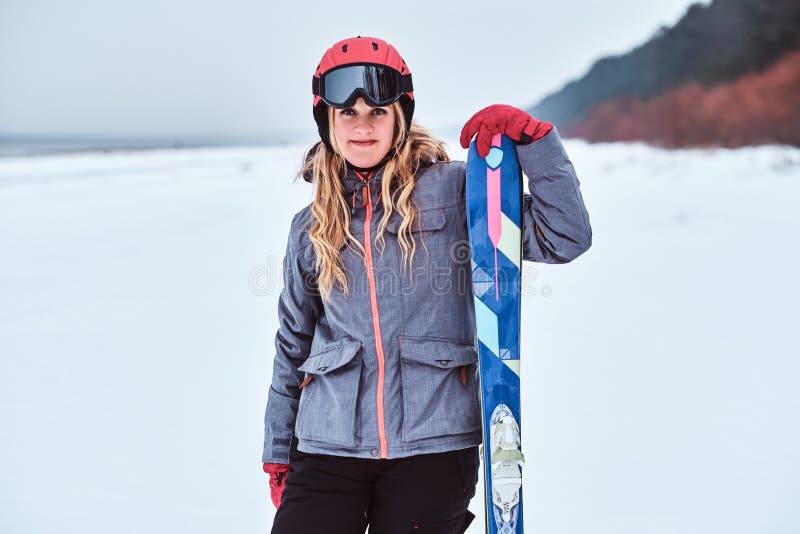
360,67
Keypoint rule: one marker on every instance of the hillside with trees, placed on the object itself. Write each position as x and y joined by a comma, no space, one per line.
725,74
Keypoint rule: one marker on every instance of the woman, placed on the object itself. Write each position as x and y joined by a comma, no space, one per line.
373,415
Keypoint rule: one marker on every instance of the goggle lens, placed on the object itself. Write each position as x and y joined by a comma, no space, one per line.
379,85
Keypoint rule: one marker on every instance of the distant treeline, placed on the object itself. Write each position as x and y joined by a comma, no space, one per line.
680,73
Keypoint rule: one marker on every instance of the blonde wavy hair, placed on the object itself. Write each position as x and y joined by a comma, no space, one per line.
330,229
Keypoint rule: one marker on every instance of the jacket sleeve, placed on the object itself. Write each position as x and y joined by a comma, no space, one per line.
299,307
555,223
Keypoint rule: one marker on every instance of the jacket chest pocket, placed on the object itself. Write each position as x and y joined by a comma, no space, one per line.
427,229
431,268
440,387
329,394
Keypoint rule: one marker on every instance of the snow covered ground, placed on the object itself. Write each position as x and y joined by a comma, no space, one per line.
138,308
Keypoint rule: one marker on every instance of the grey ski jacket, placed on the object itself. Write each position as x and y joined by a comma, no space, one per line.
389,369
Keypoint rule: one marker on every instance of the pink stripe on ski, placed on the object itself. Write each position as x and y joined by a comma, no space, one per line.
497,140
493,205
494,212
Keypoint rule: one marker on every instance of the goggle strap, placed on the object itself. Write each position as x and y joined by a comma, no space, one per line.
408,87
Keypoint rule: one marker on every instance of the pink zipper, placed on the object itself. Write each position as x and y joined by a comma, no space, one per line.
376,324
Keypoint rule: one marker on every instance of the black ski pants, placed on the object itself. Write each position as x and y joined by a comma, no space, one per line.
422,494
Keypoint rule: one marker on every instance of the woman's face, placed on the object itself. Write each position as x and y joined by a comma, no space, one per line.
363,133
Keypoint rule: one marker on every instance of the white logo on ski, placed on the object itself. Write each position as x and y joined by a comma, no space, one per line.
507,463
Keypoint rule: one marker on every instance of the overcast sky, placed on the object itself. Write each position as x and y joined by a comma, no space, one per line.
241,69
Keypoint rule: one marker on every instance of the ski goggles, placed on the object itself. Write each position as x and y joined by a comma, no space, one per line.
377,84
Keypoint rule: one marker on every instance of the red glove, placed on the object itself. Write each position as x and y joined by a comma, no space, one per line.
502,119
277,481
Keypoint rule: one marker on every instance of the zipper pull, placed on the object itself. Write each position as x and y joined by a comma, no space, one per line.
306,381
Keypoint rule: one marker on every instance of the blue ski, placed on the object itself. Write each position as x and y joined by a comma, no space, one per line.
494,218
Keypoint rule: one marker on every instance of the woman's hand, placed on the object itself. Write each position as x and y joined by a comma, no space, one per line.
277,481
502,119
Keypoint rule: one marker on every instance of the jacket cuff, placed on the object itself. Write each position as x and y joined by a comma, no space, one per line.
541,155
276,449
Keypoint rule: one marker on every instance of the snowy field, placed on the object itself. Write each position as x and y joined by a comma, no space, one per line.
138,308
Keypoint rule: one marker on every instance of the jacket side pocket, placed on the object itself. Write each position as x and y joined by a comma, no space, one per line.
327,410
440,387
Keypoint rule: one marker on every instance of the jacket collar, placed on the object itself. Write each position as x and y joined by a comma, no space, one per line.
355,180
